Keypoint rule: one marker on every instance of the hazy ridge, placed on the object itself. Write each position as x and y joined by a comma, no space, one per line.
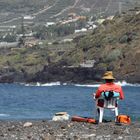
53,9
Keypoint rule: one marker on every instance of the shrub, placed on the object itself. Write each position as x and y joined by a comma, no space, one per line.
127,37
113,55
123,39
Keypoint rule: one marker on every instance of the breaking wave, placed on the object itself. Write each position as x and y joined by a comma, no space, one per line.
121,83
46,84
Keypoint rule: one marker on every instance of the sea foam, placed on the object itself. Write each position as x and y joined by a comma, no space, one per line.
46,84
121,83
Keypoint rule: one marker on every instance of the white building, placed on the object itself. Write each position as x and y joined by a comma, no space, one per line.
100,21
88,63
49,24
28,17
81,30
110,18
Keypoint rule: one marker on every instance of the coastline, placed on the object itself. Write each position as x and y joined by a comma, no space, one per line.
67,130
93,84
64,75
84,84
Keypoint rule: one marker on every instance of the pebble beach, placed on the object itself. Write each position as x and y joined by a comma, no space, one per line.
67,130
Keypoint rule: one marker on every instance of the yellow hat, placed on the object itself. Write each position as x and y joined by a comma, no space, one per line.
108,75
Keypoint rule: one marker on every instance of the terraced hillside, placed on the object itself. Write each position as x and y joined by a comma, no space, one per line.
56,8
11,10
44,10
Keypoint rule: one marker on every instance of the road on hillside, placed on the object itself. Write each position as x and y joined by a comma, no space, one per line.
34,14
67,8
44,10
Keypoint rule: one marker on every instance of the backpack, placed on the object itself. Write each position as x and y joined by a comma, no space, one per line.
124,119
109,96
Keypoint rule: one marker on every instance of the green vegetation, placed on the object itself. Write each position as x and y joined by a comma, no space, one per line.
54,31
23,58
8,38
107,44
111,44
113,55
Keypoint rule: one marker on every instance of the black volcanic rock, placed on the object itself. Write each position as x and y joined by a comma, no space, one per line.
68,74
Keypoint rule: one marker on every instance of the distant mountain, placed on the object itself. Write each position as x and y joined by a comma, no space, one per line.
47,10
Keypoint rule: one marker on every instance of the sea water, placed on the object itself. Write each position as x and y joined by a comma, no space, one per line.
42,101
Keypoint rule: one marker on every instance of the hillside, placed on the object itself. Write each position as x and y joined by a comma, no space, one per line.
114,45
48,10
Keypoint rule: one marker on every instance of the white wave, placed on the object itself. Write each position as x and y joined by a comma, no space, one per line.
64,84
96,85
121,83
46,84
124,83
4,115
51,84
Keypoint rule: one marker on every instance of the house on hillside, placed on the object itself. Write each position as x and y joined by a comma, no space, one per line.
28,21
81,30
31,42
6,28
49,24
71,15
66,40
110,18
100,21
28,17
88,63
8,44
91,25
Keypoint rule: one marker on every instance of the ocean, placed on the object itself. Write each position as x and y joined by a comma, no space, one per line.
42,101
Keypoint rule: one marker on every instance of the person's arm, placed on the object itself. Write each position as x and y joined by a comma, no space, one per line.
121,94
98,93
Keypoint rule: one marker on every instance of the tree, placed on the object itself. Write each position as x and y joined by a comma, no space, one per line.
21,41
10,38
41,32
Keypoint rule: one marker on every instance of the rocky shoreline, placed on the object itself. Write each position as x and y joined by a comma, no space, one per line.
67,130
63,75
